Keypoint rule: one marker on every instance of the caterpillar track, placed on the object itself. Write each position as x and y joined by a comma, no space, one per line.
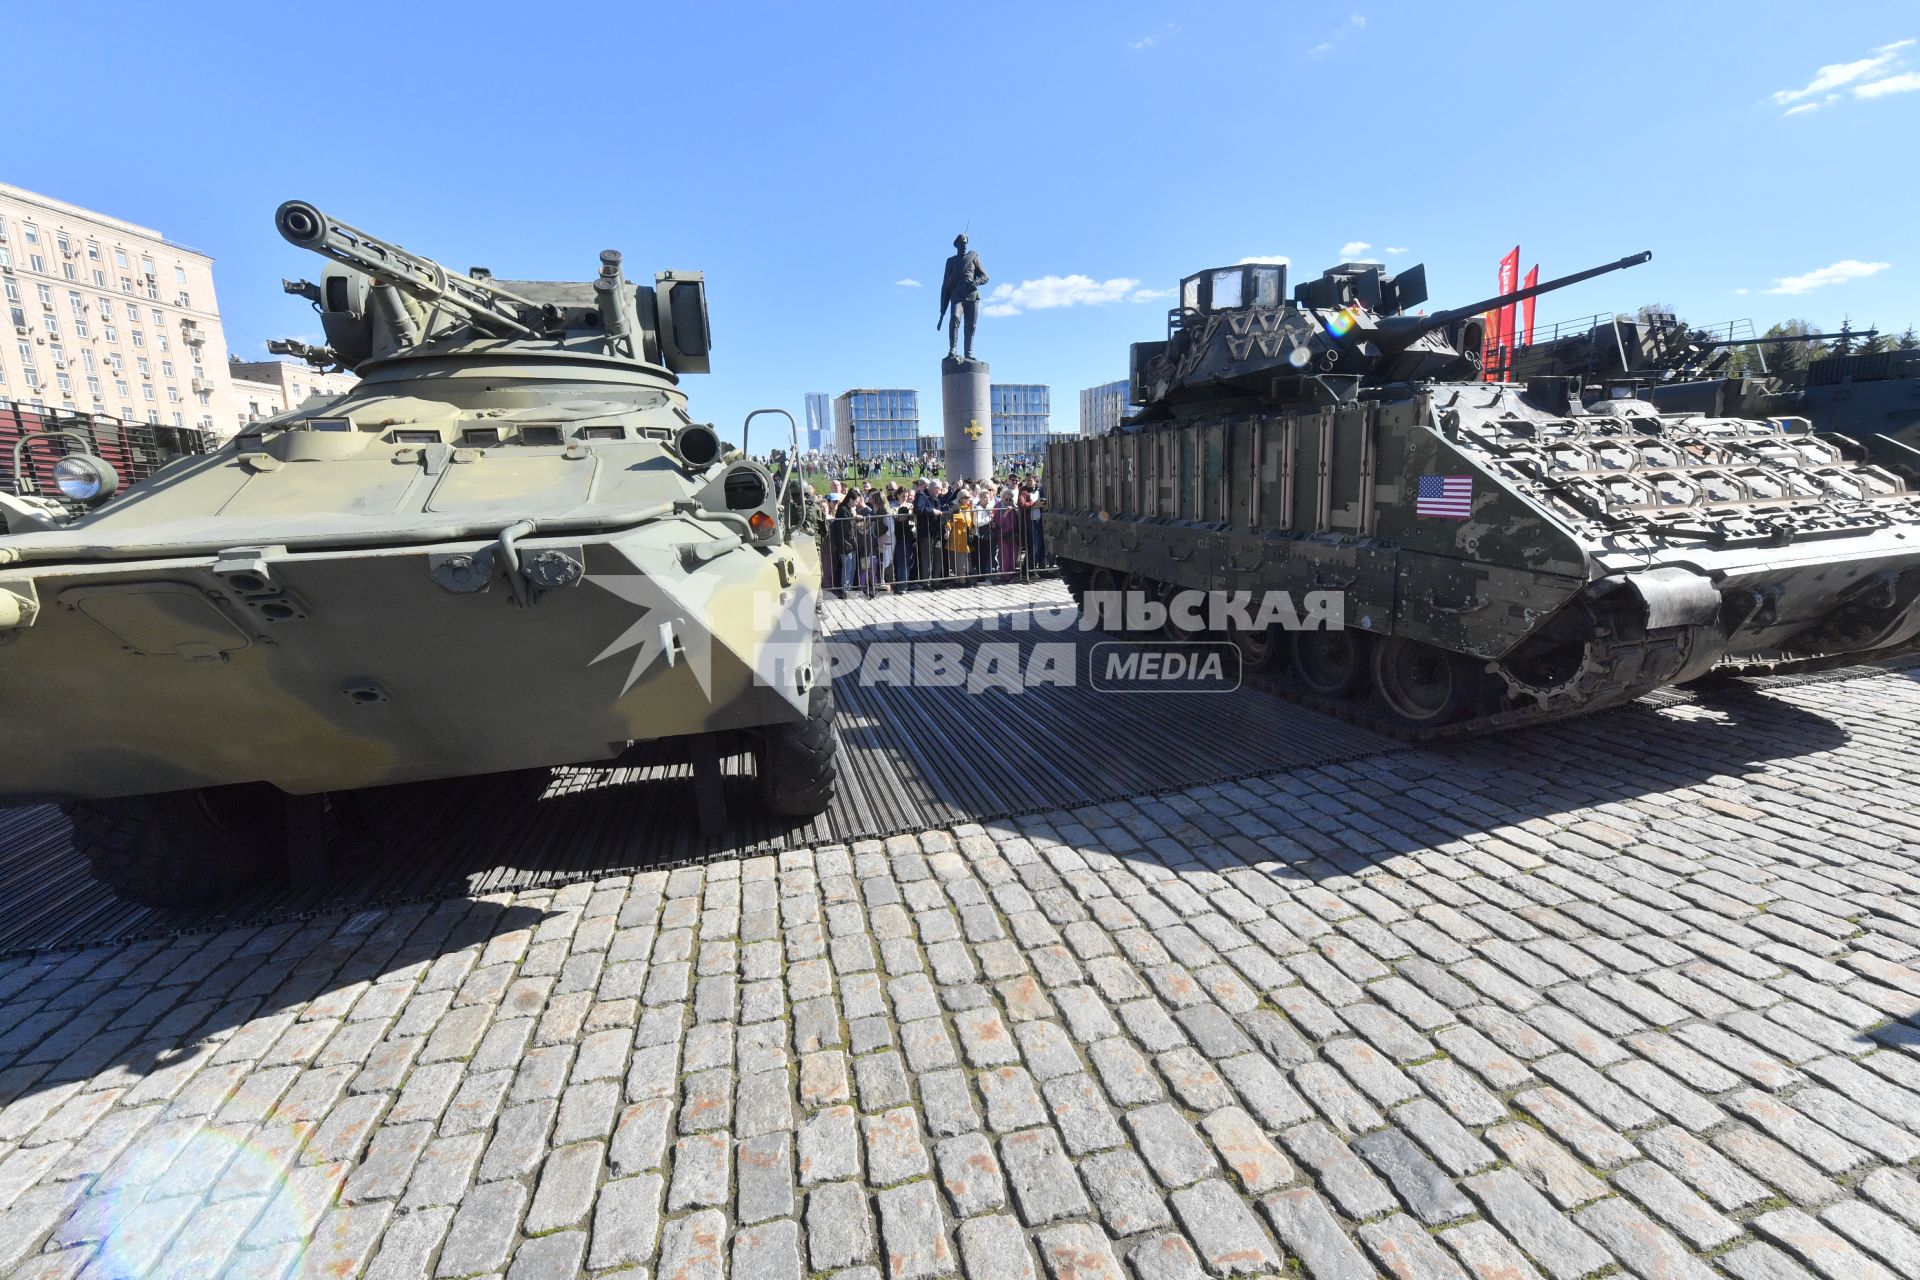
1612,673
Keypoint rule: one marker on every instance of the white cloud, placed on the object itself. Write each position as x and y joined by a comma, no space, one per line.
908,283
1741,292
1355,22
1066,291
1148,41
1396,248
1839,273
1905,82
1275,259
1354,248
1865,74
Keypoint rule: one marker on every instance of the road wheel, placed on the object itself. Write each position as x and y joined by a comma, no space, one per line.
1140,593
798,762
1103,585
1423,686
184,848
1331,664
1263,648
1075,578
1165,593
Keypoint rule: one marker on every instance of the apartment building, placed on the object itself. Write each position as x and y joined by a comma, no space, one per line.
262,388
108,317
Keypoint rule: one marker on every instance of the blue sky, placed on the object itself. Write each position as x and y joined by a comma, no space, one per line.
810,158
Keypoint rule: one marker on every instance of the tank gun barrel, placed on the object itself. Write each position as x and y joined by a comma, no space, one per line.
1442,319
482,303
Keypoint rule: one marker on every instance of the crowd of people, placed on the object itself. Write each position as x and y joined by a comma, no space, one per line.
900,535
844,465
816,462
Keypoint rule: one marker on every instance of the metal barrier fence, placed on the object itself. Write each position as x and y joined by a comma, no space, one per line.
878,552
135,449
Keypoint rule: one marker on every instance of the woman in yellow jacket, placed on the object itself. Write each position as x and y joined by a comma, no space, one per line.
960,538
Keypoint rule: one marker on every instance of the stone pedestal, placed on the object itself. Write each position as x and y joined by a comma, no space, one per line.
966,413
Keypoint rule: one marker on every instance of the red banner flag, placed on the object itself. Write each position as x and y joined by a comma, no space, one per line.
1509,319
1490,348
1526,308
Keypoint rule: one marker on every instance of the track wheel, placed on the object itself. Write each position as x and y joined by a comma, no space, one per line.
1423,687
1166,593
1075,578
184,848
1103,584
798,765
1263,648
1141,594
1331,664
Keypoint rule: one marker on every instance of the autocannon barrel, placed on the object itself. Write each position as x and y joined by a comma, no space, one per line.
1402,335
488,307
1857,335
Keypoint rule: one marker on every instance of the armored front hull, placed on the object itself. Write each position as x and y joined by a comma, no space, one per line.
1552,561
330,670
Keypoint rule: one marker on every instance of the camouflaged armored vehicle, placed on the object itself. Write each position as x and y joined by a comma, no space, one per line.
1503,553
1871,396
508,547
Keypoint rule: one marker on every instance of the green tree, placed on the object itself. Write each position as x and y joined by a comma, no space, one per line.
1784,357
1906,341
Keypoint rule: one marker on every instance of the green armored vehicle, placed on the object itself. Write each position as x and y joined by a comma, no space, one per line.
1501,554
509,546
1872,396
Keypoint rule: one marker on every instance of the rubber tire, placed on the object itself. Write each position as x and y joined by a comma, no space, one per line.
799,763
1355,680
1463,681
184,848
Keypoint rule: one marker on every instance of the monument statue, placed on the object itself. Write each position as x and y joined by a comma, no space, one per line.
960,295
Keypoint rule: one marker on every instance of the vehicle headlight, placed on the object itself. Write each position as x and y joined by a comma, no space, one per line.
85,478
745,489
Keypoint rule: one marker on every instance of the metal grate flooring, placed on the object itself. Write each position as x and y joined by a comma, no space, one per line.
912,758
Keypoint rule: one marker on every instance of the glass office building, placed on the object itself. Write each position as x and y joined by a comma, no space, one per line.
817,431
1021,418
877,423
1102,407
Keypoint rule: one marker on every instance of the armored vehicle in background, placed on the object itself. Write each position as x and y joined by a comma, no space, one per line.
1504,553
508,547
1872,396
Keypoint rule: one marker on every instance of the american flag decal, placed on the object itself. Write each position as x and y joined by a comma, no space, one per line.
1444,497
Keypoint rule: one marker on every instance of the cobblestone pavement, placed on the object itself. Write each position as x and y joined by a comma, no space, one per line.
1547,1005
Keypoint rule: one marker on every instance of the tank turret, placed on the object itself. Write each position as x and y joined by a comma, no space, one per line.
378,301
1234,336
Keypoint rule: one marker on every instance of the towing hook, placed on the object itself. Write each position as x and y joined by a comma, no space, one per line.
507,556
